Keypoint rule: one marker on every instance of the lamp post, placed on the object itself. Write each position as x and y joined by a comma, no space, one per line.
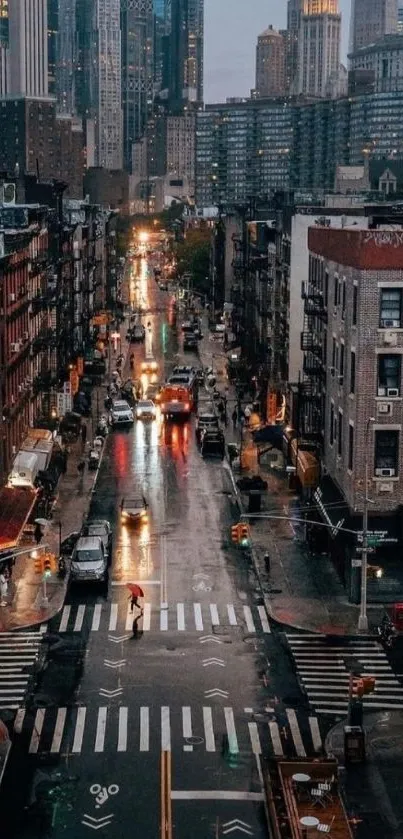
363,617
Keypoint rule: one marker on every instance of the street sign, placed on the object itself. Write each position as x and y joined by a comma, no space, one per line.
372,541
64,403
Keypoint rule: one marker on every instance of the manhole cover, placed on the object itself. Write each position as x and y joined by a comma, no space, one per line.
194,741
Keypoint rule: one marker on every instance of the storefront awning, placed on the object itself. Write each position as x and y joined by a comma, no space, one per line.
332,506
16,504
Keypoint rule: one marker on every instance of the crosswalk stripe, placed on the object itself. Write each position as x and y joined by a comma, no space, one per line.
19,720
164,620
296,734
37,731
79,731
78,625
208,729
129,619
231,730
64,619
113,618
254,738
231,615
187,727
248,619
276,739
315,734
147,617
198,616
215,620
263,619
180,610
122,732
165,729
144,729
59,729
101,730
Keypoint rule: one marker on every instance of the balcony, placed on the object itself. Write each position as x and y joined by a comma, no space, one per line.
311,343
313,366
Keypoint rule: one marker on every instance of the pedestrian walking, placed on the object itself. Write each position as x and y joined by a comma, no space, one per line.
3,587
84,434
63,461
234,418
38,533
135,609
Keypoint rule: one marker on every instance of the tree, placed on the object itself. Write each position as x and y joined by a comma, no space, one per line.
193,257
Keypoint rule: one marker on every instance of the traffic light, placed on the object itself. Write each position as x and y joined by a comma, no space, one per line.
38,563
49,564
364,686
244,535
235,533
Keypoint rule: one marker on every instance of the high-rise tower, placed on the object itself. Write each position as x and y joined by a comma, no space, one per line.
371,19
137,27
318,46
28,40
270,64
4,48
183,66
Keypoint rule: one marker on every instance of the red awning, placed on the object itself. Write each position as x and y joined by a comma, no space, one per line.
16,504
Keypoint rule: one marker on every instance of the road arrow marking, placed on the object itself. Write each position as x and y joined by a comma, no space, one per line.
118,639
216,692
110,693
96,824
114,664
208,661
237,824
206,638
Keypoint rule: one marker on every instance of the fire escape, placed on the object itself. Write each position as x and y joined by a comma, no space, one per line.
313,345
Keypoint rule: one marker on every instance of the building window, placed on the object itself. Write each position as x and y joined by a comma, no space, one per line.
391,308
340,434
331,426
352,372
386,453
341,365
334,356
355,304
389,375
343,301
336,291
350,447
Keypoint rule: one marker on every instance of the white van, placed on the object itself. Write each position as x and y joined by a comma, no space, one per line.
24,470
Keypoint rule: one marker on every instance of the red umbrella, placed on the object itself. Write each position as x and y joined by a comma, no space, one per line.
135,590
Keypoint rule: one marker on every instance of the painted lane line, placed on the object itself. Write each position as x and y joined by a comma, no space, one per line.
165,729
101,729
208,729
79,731
64,619
231,615
164,620
113,618
249,619
254,738
215,620
276,739
129,619
315,734
19,720
198,617
147,617
144,729
296,734
37,731
59,729
215,795
78,624
263,619
122,731
187,727
180,612
231,730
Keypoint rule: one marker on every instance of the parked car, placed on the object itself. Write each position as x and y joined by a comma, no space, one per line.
190,342
212,443
89,562
120,413
136,333
145,409
101,528
206,420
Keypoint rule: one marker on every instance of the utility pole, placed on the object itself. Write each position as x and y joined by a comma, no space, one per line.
363,618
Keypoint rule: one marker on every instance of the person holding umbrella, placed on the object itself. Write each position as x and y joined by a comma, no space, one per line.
135,608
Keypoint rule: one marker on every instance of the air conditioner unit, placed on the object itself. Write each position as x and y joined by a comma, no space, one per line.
15,347
384,407
25,336
391,324
390,338
393,391
385,473
381,391
12,298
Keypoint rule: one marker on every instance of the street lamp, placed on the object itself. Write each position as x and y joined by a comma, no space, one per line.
363,617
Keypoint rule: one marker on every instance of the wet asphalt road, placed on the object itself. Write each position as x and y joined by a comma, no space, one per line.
128,733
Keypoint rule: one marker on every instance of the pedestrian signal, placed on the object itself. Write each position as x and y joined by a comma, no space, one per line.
49,564
235,533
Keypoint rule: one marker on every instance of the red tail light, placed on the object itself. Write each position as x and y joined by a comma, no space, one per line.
163,407
187,406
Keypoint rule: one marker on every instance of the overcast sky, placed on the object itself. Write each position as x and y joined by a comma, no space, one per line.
231,30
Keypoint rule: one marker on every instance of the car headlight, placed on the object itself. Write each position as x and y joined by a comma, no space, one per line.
144,514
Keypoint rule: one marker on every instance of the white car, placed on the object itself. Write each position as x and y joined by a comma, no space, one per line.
120,414
145,409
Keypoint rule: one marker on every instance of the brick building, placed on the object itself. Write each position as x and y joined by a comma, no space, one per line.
353,348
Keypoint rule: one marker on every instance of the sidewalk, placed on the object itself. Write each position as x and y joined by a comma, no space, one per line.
303,590
372,790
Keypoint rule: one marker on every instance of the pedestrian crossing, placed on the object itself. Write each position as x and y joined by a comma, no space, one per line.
19,652
324,667
72,731
179,617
